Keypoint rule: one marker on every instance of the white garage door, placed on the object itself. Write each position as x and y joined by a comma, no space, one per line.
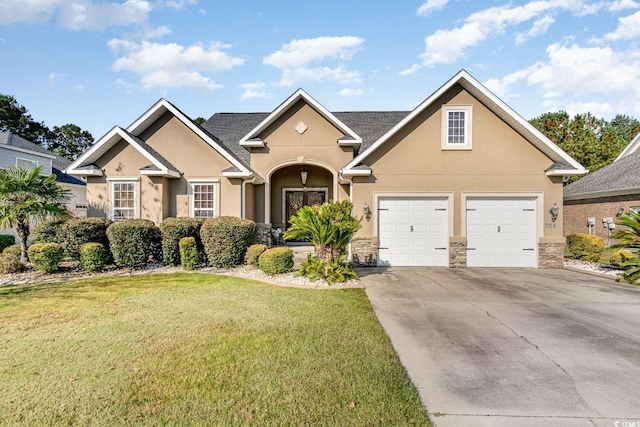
501,232
413,232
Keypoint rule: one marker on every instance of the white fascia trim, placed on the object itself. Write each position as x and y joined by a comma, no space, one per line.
297,95
27,151
604,193
92,172
356,172
124,178
253,143
630,148
164,173
465,79
71,170
567,172
153,113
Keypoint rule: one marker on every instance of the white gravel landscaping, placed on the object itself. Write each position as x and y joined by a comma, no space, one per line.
593,267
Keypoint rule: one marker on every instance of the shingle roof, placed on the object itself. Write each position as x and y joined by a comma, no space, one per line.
230,128
67,179
620,176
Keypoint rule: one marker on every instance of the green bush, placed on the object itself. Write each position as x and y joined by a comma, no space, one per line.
253,254
226,239
276,260
46,256
174,229
6,240
632,271
49,232
13,250
9,263
584,246
133,242
619,257
78,231
188,253
93,256
333,271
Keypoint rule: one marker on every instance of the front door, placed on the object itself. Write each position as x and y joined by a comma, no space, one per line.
297,199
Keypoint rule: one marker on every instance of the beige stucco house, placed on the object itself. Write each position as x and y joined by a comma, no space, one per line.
462,180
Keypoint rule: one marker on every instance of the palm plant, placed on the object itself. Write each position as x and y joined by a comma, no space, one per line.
328,227
629,237
26,196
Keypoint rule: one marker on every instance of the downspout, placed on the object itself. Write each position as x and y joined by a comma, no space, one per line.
243,194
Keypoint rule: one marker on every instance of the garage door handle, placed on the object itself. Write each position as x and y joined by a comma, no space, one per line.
382,248
441,249
528,249
471,249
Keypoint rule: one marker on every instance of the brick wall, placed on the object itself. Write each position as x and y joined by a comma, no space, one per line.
576,212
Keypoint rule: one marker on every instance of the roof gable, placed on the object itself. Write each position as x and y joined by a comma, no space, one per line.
500,109
632,147
252,139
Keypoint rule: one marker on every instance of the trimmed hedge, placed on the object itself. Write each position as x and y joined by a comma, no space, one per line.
276,260
174,229
6,240
13,250
584,246
93,256
46,256
253,254
134,241
188,253
78,231
10,260
619,257
49,232
226,239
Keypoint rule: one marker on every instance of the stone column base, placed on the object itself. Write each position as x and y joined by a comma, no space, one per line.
550,255
264,234
364,251
457,252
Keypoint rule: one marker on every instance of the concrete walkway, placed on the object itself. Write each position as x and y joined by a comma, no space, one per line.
516,347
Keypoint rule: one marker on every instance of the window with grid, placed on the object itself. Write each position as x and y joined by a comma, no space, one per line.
456,126
124,200
204,200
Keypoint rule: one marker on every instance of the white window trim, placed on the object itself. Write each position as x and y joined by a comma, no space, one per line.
136,198
216,195
37,163
446,109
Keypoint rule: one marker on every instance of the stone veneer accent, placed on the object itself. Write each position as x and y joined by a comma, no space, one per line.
264,234
550,255
457,254
364,251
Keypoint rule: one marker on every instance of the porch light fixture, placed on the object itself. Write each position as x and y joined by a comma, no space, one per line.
367,211
554,212
303,177
620,211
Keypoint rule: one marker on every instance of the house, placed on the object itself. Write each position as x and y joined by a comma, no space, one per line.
592,203
17,151
461,180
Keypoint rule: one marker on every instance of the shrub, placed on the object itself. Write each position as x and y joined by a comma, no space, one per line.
9,263
584,246
6,240
619,257
276,260
632,271
78,231
332,271
13,250
49,232
46,256
93,256
133,242
253,254
174,229
188,253
226,240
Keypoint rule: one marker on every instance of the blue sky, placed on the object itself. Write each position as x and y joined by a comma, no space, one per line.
103,63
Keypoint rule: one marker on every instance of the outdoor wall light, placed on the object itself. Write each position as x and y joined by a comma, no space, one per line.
303,177
554,212
620,211
367,211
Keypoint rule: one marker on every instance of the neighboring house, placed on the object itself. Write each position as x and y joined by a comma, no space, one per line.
462,180
596,200
17,151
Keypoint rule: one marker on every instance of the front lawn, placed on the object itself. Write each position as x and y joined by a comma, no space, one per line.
197,349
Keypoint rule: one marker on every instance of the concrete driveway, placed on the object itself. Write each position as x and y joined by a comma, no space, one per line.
517,347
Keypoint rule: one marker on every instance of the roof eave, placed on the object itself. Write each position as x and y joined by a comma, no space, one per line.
603,193
162,173
356,172
567,172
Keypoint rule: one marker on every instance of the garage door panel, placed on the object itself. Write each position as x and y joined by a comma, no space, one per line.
411,230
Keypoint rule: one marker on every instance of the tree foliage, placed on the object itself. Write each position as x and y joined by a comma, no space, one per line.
593,142
66,141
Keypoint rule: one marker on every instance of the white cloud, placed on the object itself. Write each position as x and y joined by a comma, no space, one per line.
178,4
29,11
79,87
172,65
431,5
54,77
540,27
598,109
447,46
502,87
254,90
623,5
295,58
628,28
351,92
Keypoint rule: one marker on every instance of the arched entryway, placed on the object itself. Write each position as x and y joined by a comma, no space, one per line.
289,193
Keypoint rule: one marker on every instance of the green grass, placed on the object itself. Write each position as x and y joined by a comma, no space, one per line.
195,349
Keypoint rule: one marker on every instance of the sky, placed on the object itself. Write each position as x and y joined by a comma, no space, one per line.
98,64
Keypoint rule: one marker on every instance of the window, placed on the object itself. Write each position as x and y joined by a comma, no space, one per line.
124,200
635,208
456,127
26,163
204,200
